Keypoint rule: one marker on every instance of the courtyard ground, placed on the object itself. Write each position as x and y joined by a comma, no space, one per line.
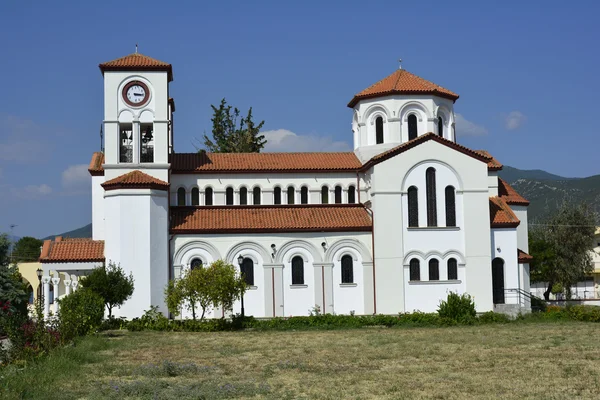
514,361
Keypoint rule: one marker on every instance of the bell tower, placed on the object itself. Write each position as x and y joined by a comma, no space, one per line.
137,115
135,189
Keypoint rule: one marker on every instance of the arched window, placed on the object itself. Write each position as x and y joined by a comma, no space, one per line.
256,195
338,195
415,270
452,269
441,126
243,196
498,281
247,270
196,263
431,200
181,197
347,269
450,206
229,196
379,130
412,127
195,196
297,271
304,195
413,207
434,270
325,195
277,195
291,194
351,194
208,196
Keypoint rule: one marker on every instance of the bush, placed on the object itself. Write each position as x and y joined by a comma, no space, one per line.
538,305
491,317
458,308
80,313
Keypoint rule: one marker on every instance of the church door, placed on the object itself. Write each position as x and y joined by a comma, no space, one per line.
498,280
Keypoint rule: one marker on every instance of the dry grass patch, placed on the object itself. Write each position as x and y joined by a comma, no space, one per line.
554,360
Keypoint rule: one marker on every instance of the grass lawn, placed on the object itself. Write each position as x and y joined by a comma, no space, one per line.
515,361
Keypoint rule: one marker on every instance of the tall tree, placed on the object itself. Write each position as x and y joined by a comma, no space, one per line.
4,249
27,249
111,283
230,137
562,247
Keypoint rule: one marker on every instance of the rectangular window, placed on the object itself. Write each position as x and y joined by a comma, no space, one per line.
147,143
125,143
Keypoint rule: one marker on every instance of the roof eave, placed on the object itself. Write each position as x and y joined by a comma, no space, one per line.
358,98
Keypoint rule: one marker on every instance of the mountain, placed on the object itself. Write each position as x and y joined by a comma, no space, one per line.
547,191
83,232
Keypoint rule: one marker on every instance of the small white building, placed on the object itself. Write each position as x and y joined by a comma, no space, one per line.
394,226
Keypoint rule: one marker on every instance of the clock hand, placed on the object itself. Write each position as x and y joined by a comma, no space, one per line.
138,94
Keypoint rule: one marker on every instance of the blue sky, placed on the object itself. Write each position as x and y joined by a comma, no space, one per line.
526,73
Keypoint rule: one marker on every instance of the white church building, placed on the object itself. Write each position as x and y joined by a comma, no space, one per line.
394,226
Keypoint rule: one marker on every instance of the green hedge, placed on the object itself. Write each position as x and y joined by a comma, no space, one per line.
153,320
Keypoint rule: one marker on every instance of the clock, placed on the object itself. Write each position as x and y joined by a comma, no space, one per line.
136,93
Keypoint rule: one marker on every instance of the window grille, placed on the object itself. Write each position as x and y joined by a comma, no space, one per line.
434,270
431,197
450,206
415,270
297,271
413,207
347,269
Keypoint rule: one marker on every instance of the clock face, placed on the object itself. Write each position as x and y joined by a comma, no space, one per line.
135,93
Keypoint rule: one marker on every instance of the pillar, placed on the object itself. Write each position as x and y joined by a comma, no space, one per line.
46,286
55,282
67,283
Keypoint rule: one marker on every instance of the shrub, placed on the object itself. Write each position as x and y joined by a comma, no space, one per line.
538,305
111,283
491,317
458,308
80,313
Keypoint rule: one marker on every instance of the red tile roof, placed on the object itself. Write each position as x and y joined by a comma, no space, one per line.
72,250
95,168
135,180
137,62
182,163
501,216
524,258
263,219
419,140
402,82
493,164
510,195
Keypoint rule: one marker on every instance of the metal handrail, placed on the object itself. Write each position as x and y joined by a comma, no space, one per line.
524,295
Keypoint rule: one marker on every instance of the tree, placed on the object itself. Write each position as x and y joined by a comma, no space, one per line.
27,249
4,249
562,246
228,136
213,286
111,283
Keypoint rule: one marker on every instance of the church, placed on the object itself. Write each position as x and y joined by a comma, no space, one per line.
394,226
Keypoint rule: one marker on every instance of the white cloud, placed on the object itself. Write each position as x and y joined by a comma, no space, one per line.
76,177
514,120
31,191
282,140
465,127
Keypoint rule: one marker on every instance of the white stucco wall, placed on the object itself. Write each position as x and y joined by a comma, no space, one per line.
504,244
470,240
272,293
97,208
266,182
137,239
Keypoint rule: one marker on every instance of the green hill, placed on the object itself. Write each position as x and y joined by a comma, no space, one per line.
83,232
546,191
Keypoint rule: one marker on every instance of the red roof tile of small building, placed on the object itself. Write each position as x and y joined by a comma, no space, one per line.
263,219
135,180
510,195
524,258
72,250
182,163
137,62
501,216
95,168
493,164
402,82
